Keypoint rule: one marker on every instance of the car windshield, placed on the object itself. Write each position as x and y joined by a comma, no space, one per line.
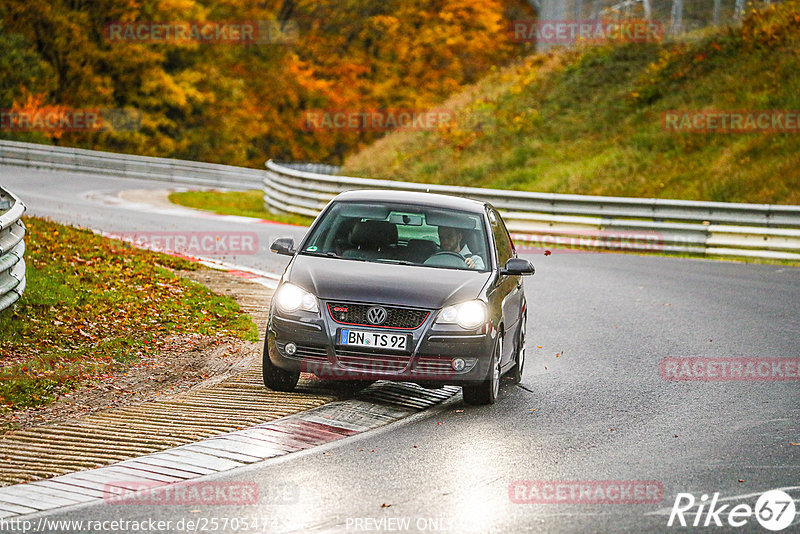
400,233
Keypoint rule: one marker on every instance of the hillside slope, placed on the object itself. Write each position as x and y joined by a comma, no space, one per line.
591,121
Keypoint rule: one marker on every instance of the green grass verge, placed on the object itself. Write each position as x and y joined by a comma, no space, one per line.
243,203
94,305
589,121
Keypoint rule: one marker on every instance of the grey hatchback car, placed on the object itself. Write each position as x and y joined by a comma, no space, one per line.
403,286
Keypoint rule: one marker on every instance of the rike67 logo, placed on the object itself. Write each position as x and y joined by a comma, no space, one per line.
774,510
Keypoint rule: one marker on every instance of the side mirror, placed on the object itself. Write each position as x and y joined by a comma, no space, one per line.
517,266
283,245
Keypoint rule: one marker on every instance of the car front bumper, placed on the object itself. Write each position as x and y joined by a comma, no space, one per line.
433,348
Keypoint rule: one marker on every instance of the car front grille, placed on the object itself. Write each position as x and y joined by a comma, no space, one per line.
372,362
396,317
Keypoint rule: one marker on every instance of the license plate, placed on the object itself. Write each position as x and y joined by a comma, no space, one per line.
378,340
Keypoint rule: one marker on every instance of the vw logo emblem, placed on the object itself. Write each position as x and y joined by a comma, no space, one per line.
376,315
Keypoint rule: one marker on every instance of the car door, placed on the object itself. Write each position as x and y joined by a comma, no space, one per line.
508,288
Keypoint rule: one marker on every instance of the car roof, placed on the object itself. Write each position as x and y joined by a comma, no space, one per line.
412,197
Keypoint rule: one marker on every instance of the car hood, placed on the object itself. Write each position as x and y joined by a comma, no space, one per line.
407,285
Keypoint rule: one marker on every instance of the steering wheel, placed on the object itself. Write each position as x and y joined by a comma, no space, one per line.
446,258
448,253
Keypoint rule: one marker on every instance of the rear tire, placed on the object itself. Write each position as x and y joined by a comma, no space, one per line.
486,392
275,378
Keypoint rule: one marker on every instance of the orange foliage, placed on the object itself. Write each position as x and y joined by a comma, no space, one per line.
242,103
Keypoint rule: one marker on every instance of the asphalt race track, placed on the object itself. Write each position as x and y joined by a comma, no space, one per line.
592,407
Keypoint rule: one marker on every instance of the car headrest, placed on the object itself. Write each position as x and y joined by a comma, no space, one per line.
373,233
474,241
422,246
346,227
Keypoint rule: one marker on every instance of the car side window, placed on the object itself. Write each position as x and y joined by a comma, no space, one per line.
505,248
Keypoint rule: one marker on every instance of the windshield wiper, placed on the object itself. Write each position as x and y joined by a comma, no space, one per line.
320,254
398,262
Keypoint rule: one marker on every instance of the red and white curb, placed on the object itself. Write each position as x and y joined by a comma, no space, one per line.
378,405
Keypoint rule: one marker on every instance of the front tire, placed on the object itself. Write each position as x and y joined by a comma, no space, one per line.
519,367
486,392
275,378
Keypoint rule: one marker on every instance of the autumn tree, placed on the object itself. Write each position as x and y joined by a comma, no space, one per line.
242,103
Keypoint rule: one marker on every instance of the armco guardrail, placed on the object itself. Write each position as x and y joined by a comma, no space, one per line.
543,220
539,220
12,249
129,166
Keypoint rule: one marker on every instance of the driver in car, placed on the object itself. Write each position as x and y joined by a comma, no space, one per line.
452,240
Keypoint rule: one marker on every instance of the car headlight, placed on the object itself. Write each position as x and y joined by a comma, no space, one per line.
468,315
291,298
